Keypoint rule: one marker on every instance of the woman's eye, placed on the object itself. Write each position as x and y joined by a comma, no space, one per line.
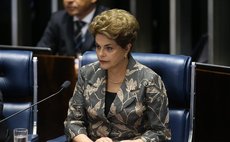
98,47
109,49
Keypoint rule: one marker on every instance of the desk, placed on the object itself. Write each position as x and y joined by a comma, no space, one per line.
212,97
52,72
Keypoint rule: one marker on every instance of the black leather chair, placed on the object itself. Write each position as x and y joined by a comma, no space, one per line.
177,72
18,83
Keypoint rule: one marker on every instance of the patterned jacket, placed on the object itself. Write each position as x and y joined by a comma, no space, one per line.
140,109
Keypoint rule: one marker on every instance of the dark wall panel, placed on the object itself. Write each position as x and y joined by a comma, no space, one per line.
5,22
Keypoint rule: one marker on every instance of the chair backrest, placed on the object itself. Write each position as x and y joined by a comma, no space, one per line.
18,85
176,73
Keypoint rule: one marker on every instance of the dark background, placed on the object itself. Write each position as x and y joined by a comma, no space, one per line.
153,16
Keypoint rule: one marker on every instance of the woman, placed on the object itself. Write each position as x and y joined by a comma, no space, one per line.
117,98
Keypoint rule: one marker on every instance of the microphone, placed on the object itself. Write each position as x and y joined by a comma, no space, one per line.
65,85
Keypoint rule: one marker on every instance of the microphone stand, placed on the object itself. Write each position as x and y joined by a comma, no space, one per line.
65,85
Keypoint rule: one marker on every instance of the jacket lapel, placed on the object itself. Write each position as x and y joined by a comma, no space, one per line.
97,87
126,94
89,42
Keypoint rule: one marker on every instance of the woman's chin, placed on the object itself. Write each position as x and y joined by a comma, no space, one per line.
103,66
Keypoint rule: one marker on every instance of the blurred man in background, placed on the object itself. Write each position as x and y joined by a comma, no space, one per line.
67,31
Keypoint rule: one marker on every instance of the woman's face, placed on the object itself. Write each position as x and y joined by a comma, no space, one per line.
78,8
109,53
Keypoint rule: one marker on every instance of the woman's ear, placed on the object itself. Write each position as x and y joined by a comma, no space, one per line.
128,49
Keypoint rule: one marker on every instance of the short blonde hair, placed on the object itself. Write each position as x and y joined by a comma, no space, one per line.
116,24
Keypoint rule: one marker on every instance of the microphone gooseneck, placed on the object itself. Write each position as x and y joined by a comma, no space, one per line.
65,85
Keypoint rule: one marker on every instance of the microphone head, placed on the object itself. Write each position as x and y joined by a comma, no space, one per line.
66,84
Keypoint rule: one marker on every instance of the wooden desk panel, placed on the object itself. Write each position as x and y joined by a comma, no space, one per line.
212,103
52,72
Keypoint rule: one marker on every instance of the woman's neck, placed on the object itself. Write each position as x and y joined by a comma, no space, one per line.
117,75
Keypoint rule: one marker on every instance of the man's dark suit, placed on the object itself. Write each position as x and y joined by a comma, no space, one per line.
59,34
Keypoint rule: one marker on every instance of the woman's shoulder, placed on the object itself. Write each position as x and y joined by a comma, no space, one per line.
90,68
143,69
142,72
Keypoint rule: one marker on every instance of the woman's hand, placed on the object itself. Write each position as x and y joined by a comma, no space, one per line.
104,139
137,140
82,138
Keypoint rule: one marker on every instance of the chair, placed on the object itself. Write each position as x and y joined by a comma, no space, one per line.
177,72
18,83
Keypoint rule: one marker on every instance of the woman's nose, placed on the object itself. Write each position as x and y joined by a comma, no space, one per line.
100,52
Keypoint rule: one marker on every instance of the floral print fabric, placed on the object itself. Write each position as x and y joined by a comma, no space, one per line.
140,109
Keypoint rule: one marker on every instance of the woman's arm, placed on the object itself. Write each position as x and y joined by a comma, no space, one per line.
76,119
157,111
81,138
137,140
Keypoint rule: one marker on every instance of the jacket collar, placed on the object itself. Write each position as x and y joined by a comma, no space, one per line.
96,83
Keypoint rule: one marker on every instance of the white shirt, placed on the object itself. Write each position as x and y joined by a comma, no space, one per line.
87,19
